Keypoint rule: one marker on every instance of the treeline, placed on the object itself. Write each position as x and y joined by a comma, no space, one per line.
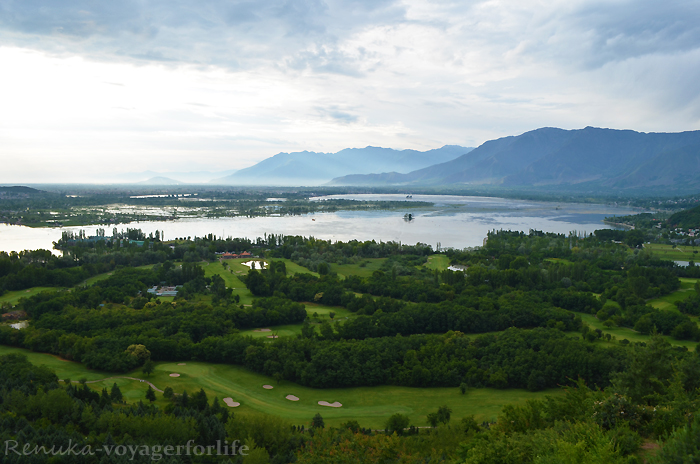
504,361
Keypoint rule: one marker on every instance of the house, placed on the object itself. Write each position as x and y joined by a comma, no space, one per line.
163,291
245,254
228,255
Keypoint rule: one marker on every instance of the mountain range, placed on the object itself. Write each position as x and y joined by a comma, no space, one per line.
311,168
590,157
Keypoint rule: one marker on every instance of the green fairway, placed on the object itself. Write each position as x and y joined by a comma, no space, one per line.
364,268
668,302
324,311
370,406
341,314
633,336
290,330
438,261
679,253
230,278
13,297
294,268
559,261
63,368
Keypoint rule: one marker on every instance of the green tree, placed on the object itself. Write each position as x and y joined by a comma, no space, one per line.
139,352
649,373
433,419
148,367
397,423
444,413
317,422
150,394
307,330
168,393
116,394
463,388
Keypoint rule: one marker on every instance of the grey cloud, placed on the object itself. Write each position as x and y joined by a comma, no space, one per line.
336,114
622,30
233,34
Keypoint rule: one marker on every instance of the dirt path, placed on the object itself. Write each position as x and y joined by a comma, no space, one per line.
122,377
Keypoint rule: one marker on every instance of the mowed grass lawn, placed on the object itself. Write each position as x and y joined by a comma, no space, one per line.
680,253
14,297
438,261
370,406
667,302
630,334
364,268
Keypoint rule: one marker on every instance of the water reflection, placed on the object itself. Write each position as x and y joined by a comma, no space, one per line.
453,221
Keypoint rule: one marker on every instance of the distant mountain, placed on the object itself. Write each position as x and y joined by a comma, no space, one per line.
606,158
160,181
189,177
311,168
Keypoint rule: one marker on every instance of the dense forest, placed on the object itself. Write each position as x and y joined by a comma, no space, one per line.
513,319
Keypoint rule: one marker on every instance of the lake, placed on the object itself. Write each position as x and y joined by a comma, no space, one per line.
453,221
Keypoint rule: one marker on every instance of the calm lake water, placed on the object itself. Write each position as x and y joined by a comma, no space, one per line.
453,221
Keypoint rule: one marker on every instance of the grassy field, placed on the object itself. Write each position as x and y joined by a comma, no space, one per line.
668,302
341,314
13,297
559,261
439,262
370,265
104,275
680,253
631,335
230,278
370,406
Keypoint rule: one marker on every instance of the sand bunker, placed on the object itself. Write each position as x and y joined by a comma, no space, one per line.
174,375
230,403
255,264
292,398
332,405
182,364
268,387
262,330
273,336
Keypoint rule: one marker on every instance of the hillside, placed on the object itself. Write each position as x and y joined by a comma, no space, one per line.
599,158
312,168
688,219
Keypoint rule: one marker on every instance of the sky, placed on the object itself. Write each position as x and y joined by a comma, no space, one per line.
90,89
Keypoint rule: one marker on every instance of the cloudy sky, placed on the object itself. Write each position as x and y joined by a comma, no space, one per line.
93,87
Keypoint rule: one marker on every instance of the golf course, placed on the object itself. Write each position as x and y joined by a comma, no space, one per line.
370,406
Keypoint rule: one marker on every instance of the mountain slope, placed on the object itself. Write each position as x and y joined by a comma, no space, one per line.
548,156
311,168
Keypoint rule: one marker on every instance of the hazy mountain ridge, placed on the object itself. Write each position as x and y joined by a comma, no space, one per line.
312,168
609,158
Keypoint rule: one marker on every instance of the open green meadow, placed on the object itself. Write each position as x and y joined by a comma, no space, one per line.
437,261
13,297
370,406
104,275
230,278
289,330
667,302
621,333
364,268
559,261
679,253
